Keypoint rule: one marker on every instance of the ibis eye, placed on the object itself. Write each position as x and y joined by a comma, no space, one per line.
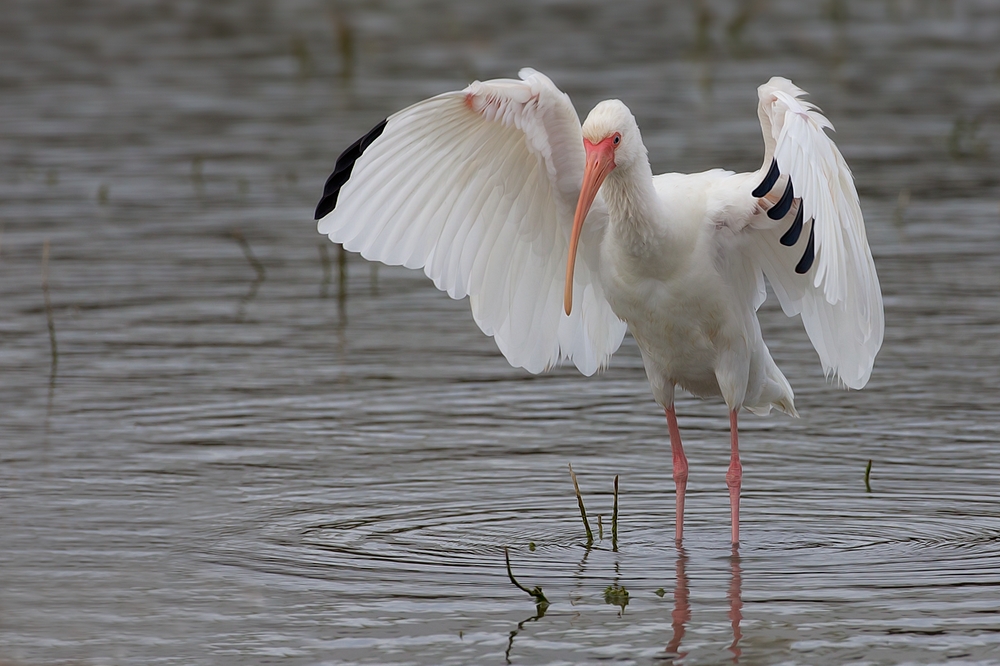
617,139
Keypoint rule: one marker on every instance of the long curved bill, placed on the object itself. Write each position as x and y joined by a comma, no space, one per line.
600,162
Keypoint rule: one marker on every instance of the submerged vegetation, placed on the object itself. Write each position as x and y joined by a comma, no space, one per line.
614,594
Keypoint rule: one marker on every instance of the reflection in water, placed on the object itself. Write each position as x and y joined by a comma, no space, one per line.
682,606
616,594
52,331
257,267
324,260
735,597
373,275
539,613
341,276
341,284
541,604
579,576
399,424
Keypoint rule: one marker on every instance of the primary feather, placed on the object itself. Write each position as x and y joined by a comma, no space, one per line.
839,298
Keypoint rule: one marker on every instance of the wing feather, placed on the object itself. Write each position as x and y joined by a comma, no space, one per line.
838,297
478,188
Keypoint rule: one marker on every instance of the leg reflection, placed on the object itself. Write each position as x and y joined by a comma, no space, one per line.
682,607
735,597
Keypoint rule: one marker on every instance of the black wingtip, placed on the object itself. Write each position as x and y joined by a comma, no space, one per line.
784,204
342,170
806,262
769,180
791,237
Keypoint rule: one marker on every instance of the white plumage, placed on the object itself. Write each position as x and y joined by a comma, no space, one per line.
496,190
478,188
841,306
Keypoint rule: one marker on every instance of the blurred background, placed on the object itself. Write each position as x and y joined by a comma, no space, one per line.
222,440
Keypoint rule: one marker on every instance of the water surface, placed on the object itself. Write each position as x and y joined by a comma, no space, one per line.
250,452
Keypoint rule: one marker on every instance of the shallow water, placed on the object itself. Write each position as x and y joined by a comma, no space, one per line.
241,457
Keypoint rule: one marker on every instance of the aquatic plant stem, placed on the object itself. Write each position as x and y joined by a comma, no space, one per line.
583,510
536,592
614,519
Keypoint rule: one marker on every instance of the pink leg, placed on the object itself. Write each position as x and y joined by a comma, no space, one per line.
680,469
734,477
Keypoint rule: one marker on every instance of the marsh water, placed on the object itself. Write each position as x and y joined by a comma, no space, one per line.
235,444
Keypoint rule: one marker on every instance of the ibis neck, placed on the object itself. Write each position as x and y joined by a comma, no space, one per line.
633,208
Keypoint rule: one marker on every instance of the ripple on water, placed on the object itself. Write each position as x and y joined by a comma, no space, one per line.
234,465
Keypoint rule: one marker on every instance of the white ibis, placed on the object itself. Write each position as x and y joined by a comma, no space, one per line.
500,194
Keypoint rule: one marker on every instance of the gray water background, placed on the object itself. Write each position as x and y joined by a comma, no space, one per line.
242,458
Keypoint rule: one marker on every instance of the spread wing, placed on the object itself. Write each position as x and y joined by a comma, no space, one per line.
811,241
478,187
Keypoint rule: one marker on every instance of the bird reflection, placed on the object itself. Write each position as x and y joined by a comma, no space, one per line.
682,606
735,598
